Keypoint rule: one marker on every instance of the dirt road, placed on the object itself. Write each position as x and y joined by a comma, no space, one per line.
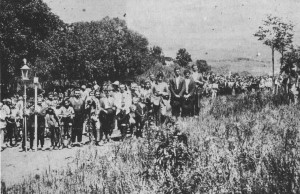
16,165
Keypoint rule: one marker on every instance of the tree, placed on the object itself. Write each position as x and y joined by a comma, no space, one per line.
275,34
100,50
157,53
203,66
183,57
291,58
23,25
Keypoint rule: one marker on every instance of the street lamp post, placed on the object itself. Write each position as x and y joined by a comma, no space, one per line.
25,71
36,82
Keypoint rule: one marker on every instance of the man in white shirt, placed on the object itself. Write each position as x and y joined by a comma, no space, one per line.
198,78
107,114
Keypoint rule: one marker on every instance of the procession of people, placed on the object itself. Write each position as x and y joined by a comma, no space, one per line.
65,115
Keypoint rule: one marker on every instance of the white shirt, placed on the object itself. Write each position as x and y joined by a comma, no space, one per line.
177,81
187,82
195,76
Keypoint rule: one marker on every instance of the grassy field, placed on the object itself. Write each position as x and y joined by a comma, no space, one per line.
238,145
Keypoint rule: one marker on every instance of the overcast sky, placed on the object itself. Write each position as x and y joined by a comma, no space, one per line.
208,29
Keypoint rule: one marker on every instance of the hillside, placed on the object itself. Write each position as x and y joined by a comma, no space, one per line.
255,67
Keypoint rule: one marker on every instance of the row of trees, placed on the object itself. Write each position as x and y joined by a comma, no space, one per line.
59,51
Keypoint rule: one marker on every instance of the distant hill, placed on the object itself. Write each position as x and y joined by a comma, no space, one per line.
255,67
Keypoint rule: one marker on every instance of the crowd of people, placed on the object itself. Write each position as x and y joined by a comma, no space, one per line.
66,115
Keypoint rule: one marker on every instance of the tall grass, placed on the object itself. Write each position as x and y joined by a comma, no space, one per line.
246,144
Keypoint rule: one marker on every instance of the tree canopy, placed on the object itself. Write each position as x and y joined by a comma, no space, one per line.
23,25
96,50
183,57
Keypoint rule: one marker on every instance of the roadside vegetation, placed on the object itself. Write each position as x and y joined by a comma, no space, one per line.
238,144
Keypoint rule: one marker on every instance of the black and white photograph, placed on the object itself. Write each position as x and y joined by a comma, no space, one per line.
150,96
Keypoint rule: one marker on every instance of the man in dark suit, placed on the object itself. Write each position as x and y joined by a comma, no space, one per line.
188,95
177,89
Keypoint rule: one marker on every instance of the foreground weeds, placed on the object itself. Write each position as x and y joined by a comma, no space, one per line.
238,145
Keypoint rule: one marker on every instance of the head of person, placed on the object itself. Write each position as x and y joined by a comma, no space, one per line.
30,103
8,102
177,71
92,93
134,87
50,96
116,85
97,94
160,76
132,108
83,87
147,84
67,102
1,105
195,68
108,90
50,111
77,93
136,99
122,88
39,101
187,73
152,77
13,105
89,85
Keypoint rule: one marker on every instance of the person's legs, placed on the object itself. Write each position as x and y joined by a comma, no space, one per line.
52,136
3,131
79,130
31,136
41,134
10,132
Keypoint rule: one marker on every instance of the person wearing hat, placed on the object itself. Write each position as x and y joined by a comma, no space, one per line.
78,104
11,124
107,113
116,88
28,114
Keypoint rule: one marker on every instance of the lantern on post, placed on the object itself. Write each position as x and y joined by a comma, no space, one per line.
25,72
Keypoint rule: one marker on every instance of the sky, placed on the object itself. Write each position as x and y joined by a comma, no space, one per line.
207,29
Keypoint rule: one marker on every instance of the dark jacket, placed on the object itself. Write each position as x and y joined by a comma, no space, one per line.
173,87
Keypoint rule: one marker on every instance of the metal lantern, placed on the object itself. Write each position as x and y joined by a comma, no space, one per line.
25,71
